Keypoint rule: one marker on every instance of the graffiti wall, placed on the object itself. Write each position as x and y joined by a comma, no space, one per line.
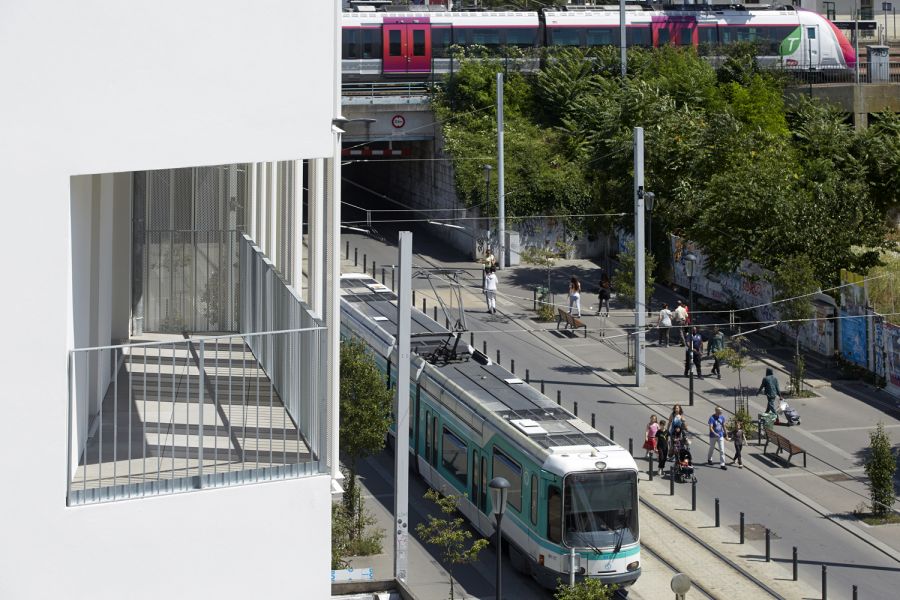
854,319
748,287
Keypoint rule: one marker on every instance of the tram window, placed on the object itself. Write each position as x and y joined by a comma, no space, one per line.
453,456
685,37
708,35
350,44
440,42
484,484
394,43
521,37
566,37
489,38
638,36
371,43
434,442
554,515
534,499
605,36
476,477
418,36
811,33
510,470
427,437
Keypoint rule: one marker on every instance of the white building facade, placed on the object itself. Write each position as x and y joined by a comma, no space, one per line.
170,356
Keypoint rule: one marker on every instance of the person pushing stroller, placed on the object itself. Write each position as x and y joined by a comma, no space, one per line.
683,463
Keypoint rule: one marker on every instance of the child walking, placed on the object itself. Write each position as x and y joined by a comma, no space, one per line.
737,436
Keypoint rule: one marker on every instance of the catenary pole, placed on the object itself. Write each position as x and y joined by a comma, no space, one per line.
623,41
401,450
501,260
639,271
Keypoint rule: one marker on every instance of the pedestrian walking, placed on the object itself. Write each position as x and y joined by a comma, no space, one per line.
769,386
662,445
489,261
650,436
663,324
679,320
676,419
575,296
604,294
692,353
717,437
716,344
490,290
738,437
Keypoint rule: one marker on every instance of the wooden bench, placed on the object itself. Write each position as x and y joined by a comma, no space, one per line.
782,443
571,322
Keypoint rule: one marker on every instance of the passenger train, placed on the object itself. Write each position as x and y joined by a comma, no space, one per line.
573,492
378,45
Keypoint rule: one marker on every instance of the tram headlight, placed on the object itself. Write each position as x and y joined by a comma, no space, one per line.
633,566
600,465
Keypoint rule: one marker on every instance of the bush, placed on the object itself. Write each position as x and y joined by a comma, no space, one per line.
880,467
587,589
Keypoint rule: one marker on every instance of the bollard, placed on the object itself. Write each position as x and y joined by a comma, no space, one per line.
558,397
512,366
824,582
631,446
394,287
425,306
651,467
854,592
434,310
768,545
691,388
382,275
471,339
717,512
373,270
593,420
527,376
794,560
693,494
365,261
446,323
414,298
347,251
575,410
542,386
671,480
612,433
356,257
742,528
484,347
498,356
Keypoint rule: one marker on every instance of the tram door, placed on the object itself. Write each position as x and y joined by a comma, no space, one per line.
812,46
676,30
407,46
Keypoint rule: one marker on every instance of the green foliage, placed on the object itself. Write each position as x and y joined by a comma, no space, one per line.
352,531
545,257
586,589
450,534
748,423
794,281
623,277
735,355
881,287
880,467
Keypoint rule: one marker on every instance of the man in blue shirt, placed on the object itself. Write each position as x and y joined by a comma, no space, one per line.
717,437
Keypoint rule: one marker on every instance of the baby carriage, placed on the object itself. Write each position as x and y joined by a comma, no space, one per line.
683,469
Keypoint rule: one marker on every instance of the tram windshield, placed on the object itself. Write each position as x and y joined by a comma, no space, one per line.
600,509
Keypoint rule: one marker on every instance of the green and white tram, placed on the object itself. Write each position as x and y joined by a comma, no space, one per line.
571,488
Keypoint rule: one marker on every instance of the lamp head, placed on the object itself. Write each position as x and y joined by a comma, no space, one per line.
649,201
499,492
690,264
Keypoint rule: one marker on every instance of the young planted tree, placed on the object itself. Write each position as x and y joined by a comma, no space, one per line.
794,283
545,257
880,467
365,404
623,277
450,534
587,589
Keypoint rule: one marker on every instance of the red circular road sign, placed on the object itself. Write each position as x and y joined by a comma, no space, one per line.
398,121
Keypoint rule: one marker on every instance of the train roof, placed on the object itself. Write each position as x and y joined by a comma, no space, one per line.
475,379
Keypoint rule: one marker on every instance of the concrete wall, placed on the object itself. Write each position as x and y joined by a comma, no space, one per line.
859,100
102,87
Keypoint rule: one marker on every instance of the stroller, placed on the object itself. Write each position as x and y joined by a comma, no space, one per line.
683,469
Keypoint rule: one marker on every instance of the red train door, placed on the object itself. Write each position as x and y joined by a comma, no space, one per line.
676,30
407,45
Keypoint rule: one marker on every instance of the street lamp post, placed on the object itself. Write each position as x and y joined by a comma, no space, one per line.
690,264
499,491
649,201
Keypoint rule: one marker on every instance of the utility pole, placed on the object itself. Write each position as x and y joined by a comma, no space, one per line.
639,270
623,41
401,446
501,260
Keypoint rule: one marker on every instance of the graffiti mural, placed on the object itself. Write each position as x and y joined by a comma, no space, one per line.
854,321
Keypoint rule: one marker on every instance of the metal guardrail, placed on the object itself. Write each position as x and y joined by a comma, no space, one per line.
826,75
393,91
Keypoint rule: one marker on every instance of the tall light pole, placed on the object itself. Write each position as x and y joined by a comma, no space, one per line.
690,264
649,202
487,193
640,272
623,40
499,491
501,192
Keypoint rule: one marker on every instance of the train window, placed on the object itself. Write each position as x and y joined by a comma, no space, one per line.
708,36
554,515
350,44
453,457
394,43
638,36
568,36
521,37
440,42
534,499
510,470
418,44
371,43
605,36
811,33
490,38
662,36
685,37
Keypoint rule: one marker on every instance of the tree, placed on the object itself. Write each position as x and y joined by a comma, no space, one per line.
880,467
365,404
586,589
734,355
450,534
623,277
794,282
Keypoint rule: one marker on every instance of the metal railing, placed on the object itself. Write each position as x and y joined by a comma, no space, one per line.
886,73
394,91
